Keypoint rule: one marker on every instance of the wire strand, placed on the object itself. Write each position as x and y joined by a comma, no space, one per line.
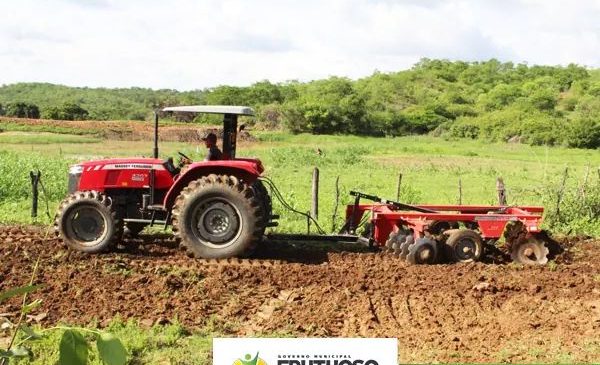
275,192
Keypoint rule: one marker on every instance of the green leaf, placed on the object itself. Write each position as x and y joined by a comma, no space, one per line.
30,332
73,349
111,349
31,306
17,291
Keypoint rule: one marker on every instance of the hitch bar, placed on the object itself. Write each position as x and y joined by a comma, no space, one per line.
350,226
395,204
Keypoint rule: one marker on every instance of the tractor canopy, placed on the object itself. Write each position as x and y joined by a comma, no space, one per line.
230,119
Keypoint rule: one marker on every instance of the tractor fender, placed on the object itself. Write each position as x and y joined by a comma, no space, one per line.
248,172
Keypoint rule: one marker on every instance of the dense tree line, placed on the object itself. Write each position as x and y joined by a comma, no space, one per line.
491,100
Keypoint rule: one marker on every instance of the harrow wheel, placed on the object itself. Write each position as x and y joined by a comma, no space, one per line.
530,252
438,227
87,222
424,251
465,245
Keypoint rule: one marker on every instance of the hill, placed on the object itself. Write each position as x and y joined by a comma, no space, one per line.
492,100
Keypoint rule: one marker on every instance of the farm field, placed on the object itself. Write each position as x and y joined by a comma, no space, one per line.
169,306
166,306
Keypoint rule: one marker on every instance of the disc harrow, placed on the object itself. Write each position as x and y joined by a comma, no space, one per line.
430,234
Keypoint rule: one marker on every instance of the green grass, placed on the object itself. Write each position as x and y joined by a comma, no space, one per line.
43,138
431,169
159,344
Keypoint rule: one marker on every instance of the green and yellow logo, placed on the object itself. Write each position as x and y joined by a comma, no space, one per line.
248,360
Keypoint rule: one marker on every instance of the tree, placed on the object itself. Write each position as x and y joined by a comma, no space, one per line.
23,110
584,129
68,111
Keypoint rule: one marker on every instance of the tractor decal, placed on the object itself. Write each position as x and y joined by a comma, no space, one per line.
133,167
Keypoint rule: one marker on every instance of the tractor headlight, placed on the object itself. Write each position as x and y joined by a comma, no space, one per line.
75,170
74,176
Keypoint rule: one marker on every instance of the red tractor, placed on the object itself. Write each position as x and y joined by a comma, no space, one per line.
217,208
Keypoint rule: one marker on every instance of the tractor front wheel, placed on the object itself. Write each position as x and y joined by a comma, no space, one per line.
86,222
218,216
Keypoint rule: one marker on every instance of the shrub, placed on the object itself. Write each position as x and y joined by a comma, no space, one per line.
68,111
22,110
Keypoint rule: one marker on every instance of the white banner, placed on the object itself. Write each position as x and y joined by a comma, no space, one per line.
305,351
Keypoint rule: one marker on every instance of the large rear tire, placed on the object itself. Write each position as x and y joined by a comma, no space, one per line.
86,222
262,194
218,216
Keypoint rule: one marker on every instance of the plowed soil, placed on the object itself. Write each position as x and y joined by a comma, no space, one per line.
442,313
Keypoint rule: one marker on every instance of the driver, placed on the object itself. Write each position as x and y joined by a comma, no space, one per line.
214,153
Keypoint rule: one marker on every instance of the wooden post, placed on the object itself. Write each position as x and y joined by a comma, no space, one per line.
335,207
314,210
398,187
561,192
459,191
501,191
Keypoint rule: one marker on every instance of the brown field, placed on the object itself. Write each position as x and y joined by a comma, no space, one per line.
475,312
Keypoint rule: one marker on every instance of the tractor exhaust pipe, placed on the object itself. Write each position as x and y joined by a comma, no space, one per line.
155,134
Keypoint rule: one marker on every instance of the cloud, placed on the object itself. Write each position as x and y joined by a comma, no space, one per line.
247,42
188,44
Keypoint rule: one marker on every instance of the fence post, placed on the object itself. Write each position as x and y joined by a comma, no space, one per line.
398,187
337,200
35,179
314,210
459,191
501,191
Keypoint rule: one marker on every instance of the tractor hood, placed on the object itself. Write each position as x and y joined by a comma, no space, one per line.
141,163
252,165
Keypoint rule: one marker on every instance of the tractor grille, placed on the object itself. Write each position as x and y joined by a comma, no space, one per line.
73,183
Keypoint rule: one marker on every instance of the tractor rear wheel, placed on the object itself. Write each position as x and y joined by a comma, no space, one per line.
86,222
262,195
218,216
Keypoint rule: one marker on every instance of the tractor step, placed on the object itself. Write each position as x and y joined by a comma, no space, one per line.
157,207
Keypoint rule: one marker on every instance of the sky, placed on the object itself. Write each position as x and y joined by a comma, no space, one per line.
196,44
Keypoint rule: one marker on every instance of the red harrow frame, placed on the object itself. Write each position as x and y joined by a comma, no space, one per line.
427,234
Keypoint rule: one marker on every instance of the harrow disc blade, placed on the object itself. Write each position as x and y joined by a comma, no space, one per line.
404,247
424,251
389,244
399,241
530,252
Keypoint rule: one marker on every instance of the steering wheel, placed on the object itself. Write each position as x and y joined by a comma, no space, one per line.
184,156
